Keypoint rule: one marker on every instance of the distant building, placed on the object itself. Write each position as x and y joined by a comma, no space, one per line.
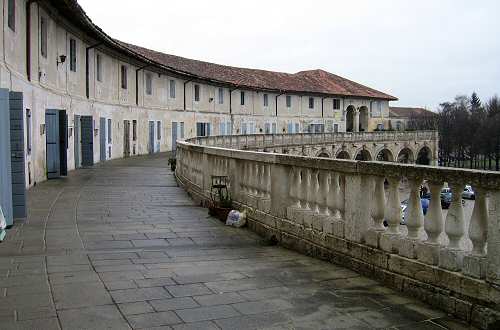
407,118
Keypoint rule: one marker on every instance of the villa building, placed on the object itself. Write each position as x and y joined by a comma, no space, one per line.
87,97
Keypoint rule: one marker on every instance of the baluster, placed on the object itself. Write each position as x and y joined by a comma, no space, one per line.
414,217
268,181
428,251
433,224
393,206
323,178
372,236
389,240
455,223
414,220
451,257
474,263
307,189
378,211
478,227
315,192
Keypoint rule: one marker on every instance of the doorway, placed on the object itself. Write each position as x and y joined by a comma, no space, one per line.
87,140
151,144
56,133
102,139
126,138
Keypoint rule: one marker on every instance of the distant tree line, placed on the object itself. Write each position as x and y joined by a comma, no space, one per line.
469,132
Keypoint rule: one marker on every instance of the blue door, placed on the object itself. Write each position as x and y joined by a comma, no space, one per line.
86,128
151,144
52,143
102,139
17,155
5,158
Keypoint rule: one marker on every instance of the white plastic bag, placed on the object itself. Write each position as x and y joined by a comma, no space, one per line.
236,219
3,225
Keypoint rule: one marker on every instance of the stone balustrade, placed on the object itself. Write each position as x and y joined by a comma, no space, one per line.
387,144
260,141
336,209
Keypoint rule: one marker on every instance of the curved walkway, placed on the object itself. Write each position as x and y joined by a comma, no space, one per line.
120,246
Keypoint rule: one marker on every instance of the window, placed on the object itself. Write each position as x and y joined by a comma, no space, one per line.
28,131
172,89
335,128
221,95
124,76
380,127
336,104
242,98
222,128
267,128
197,93
43,36
202,129
109,131
266,100
12,15
311,103
134,130
149,84
274,128
288,101
297,128
72,54
228,128
158,130
244,128
182,129
98,65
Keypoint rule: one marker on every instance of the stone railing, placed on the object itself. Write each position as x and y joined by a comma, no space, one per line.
260,141
335,210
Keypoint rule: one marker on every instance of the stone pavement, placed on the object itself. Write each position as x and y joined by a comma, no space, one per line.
120,246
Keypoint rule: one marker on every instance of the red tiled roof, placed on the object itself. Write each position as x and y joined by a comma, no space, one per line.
312,81
404,112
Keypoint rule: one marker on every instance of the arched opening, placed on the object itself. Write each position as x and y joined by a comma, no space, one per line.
349,118
343,155
405,156
363,119
323,155
363,155
424,156
385,155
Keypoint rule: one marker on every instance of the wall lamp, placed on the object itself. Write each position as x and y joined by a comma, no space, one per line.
61,60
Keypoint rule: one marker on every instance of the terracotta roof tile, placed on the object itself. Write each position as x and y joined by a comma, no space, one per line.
404,112
313,81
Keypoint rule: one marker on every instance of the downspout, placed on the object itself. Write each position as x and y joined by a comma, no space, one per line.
276,102
137,83
322,113
231,107
185,83
87,68
28,38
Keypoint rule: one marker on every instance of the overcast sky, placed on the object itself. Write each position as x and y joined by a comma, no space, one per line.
423,52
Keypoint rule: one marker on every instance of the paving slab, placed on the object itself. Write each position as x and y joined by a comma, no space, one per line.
120,246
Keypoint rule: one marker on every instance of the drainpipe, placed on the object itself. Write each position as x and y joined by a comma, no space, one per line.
185,92
87,68
28,38
276,102
137,83
231,107
322,113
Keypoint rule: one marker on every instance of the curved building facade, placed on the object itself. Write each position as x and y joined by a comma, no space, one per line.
87,97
